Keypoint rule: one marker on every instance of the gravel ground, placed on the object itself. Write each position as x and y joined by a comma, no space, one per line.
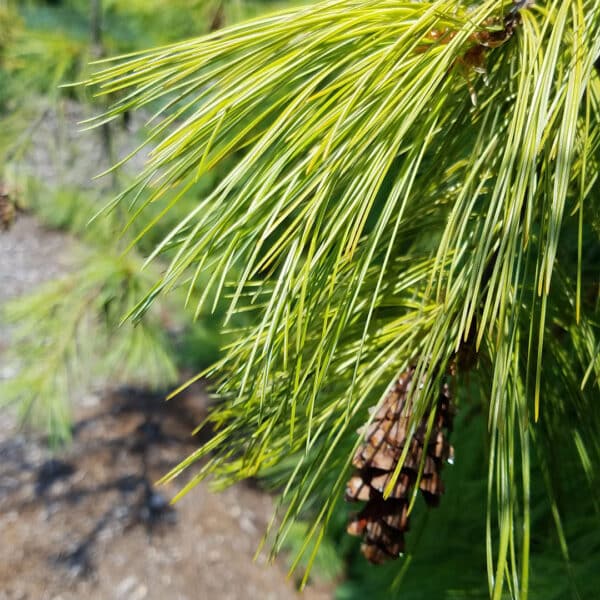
89,522
29,256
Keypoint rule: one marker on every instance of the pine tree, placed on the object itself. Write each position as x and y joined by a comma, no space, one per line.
415,179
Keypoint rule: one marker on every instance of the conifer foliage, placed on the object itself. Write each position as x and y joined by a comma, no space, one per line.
411,176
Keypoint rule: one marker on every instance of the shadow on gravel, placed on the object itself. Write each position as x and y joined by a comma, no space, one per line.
135,431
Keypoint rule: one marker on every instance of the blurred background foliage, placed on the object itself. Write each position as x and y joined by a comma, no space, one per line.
44,44
69,336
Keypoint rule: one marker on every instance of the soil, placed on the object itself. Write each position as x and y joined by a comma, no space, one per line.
90,521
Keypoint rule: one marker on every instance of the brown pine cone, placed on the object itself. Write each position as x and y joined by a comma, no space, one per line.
7,209
383,522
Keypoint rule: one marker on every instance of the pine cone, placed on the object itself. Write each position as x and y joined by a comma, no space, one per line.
7,209
383,522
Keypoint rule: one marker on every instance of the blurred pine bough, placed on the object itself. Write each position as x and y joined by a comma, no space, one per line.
67,340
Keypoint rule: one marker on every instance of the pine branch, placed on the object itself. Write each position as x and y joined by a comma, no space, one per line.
376,215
